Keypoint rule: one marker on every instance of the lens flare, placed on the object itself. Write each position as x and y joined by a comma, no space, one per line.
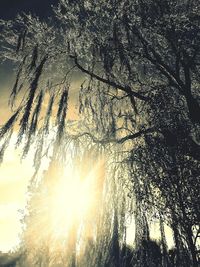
71,201
64,206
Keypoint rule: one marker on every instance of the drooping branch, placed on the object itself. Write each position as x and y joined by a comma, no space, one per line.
127,89
122,140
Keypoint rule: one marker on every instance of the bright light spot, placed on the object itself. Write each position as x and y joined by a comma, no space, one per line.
65,205
71,201
14,180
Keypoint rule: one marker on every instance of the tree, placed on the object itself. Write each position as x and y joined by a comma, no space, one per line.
140,61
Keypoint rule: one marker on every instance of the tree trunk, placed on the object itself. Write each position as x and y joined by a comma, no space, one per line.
192,247
177,244
164,243
193,107
72,245
115,250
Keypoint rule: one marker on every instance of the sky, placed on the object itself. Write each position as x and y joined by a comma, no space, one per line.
14,179
10,8
14,175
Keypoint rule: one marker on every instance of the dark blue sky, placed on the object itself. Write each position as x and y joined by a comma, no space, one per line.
10,8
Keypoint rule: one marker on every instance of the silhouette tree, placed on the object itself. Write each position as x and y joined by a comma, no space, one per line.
140,95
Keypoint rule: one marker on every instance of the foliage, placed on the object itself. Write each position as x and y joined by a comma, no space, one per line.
139,101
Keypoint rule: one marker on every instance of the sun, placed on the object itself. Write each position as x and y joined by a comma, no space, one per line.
65,205
71,200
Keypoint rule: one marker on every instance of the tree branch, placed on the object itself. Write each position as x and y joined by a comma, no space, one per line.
122,140
126,89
